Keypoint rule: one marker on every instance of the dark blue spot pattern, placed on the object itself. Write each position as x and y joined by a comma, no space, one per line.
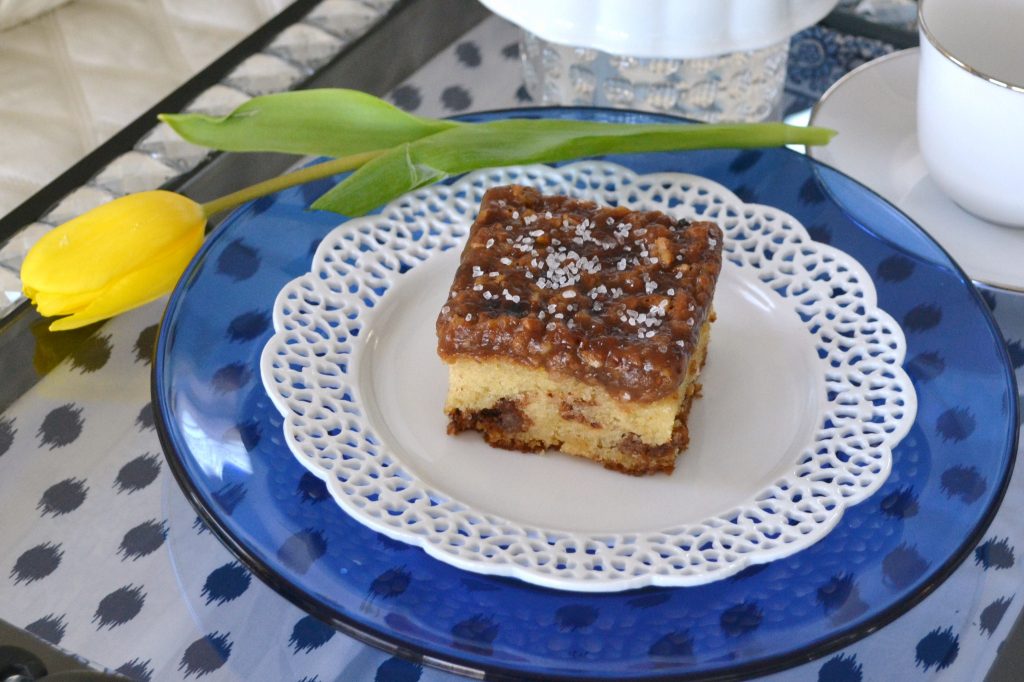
231,377
677,644
926,366
137,670
61,426
938,648
740,619
836,592
456,98
91,354
138,473
239,261
841,668
7,433
468,54
510,51
310,193
143,540
303,548
992,615
250,434
994,553
574,617
119,607
810,192
63,497
963,482
1016,351
820,233
311,489
901,503
475,634
745,160
390,583
226,583
902,566
145,418
315,244
407,97
261,205
895,268
956,424
922,317
145,344
248,326
523,95
309,634
205,655
746,194
229,497
37,563
50,628
397,670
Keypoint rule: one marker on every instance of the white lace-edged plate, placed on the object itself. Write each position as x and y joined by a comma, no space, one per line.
804,399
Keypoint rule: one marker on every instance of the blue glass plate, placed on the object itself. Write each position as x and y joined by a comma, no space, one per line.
223,441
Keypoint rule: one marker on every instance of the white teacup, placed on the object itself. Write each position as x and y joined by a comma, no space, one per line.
970,104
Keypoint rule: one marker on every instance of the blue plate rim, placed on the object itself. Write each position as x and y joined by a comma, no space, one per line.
393,645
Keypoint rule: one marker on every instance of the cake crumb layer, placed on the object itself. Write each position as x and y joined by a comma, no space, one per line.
529,410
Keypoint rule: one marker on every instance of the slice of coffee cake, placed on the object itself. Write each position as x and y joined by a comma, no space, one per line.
579,327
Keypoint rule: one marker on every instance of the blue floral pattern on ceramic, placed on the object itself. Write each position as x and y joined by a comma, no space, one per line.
223,441
818,57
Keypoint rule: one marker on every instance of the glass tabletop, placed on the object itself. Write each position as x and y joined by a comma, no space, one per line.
83,399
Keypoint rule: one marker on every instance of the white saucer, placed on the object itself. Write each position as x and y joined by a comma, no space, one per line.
873,108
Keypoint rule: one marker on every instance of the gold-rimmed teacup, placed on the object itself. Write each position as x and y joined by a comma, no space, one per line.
970,104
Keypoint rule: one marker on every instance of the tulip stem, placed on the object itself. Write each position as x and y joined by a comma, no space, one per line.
299,177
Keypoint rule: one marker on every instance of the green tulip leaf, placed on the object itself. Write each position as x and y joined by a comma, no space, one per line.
327,122
473,146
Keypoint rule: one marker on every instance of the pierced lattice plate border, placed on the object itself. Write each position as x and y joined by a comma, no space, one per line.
870,404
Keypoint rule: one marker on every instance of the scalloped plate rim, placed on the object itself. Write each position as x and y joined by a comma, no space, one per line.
514,570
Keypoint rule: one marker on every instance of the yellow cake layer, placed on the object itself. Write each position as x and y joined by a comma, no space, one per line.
564,413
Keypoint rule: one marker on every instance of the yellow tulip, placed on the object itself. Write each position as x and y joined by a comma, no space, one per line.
116,257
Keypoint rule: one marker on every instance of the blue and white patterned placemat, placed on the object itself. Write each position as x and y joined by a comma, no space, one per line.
104,556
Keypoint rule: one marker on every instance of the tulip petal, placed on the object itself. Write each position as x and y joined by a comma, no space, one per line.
103,245
50,305
136,288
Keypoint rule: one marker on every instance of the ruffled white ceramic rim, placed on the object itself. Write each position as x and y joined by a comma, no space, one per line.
308,369
672,29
